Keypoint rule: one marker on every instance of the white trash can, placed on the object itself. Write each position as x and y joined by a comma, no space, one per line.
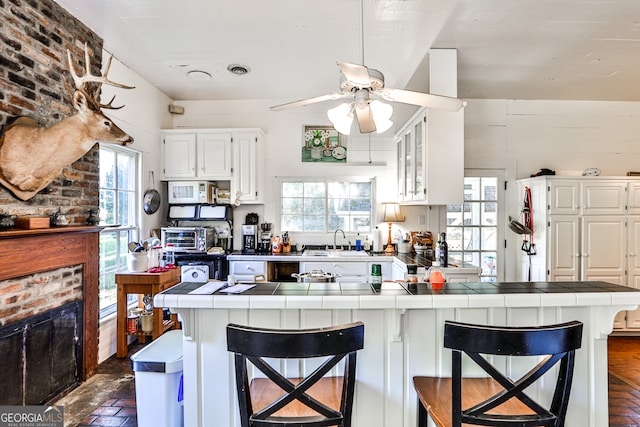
158,373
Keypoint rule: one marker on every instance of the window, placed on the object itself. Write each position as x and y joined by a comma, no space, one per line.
472,228
118,195
324,206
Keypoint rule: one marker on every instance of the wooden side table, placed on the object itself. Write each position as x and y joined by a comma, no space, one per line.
145,284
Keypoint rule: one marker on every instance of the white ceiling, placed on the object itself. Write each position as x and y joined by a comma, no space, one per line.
507,49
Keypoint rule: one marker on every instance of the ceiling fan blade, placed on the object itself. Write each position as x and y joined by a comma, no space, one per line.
365,119
303,102
438,102
357,74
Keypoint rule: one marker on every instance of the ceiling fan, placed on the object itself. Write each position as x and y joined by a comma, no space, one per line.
365,86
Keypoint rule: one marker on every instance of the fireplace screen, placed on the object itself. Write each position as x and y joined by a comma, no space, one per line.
41,356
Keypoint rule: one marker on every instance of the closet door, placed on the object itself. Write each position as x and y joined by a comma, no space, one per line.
604,248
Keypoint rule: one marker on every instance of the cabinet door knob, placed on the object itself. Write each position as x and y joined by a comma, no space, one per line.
249,268
632,254
585,255
577,255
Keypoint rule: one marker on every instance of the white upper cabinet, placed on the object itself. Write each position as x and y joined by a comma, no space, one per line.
431,158
214,155
564,197
587,196
248,162
604,198
633,198
179,155
232,155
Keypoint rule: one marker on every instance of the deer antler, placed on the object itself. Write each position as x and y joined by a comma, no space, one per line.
81,82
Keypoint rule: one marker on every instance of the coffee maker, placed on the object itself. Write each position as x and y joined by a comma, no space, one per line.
249,238
264,245
250,234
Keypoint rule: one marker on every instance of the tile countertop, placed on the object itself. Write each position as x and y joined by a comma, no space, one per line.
404,295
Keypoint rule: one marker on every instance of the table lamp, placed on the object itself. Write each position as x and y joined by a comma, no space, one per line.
392,214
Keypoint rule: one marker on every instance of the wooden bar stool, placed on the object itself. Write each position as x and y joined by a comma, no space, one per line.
497,400
312,401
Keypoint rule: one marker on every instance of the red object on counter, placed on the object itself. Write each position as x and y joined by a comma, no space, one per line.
161,269
436,279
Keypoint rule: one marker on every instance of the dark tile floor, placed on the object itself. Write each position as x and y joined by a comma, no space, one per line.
108,398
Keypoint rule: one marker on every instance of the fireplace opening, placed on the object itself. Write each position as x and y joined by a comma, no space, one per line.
42,356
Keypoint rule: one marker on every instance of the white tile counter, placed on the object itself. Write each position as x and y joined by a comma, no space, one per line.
403,337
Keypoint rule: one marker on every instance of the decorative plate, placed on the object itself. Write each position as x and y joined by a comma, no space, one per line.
339,153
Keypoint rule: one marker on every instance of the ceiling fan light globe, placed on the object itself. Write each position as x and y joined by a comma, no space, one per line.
341,118
382,125
381,111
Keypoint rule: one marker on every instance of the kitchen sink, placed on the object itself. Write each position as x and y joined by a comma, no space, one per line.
334,253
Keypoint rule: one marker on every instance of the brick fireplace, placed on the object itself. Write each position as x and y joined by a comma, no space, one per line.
45,275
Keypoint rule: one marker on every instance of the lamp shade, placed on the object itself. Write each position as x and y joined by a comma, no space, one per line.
392,212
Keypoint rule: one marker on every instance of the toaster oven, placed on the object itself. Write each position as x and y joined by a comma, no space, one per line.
188,239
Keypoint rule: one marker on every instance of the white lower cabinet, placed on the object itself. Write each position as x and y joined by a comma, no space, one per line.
246,271
348,271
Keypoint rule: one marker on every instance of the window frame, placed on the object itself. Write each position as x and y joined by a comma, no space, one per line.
131,231
326,181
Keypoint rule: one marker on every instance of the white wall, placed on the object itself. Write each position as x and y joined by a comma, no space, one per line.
145,112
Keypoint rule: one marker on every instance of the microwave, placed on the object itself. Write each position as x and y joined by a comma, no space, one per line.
191,191
188,239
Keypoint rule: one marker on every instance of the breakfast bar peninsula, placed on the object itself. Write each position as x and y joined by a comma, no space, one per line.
403,338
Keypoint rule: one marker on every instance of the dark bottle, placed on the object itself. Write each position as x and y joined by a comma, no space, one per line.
444,251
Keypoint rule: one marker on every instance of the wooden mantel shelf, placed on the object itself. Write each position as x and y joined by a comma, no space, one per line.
26,252
16,232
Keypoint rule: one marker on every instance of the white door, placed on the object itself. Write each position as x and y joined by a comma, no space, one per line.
633,266
246,166
401,171
214,155
604,198
564,197
564,253
179,155
604,243
419,165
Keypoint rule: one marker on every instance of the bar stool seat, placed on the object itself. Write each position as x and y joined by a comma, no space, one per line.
313,401
497,400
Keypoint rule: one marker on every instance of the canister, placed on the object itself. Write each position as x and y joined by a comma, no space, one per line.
132,324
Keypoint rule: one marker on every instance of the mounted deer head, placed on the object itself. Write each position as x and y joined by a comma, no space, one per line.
31,156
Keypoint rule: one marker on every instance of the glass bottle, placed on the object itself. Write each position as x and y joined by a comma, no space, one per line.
444,250
169,255
412,273
376,276
435,275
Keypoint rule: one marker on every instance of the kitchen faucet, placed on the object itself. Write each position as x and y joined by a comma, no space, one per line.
334,236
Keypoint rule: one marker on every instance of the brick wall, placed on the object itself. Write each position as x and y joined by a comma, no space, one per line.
28,296
35,82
